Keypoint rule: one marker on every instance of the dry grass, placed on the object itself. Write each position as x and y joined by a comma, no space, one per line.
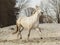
50,34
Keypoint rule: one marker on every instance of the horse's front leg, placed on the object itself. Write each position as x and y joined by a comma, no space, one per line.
39,29
21,29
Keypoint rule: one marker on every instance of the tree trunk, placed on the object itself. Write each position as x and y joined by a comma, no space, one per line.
7,12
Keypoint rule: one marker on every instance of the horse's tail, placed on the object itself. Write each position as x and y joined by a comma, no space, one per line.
16,29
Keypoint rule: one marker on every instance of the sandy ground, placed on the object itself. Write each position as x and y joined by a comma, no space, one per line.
50,34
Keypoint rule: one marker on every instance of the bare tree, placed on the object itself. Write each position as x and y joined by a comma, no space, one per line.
56,4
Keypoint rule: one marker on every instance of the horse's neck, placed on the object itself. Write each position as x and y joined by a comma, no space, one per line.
36,14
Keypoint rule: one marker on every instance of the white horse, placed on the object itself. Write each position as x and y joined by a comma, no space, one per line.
28,22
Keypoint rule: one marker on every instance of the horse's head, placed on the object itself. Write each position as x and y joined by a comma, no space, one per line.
38,10
37,7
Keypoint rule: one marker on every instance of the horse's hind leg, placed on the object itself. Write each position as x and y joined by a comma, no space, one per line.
20,32
29,33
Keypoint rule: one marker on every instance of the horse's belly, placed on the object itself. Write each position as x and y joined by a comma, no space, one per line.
26,25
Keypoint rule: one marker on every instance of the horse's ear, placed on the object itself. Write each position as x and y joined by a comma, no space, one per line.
37,7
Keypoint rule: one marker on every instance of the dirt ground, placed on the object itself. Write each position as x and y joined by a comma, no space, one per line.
49,35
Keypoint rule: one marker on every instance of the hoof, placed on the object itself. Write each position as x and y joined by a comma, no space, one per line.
41,38
20,37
